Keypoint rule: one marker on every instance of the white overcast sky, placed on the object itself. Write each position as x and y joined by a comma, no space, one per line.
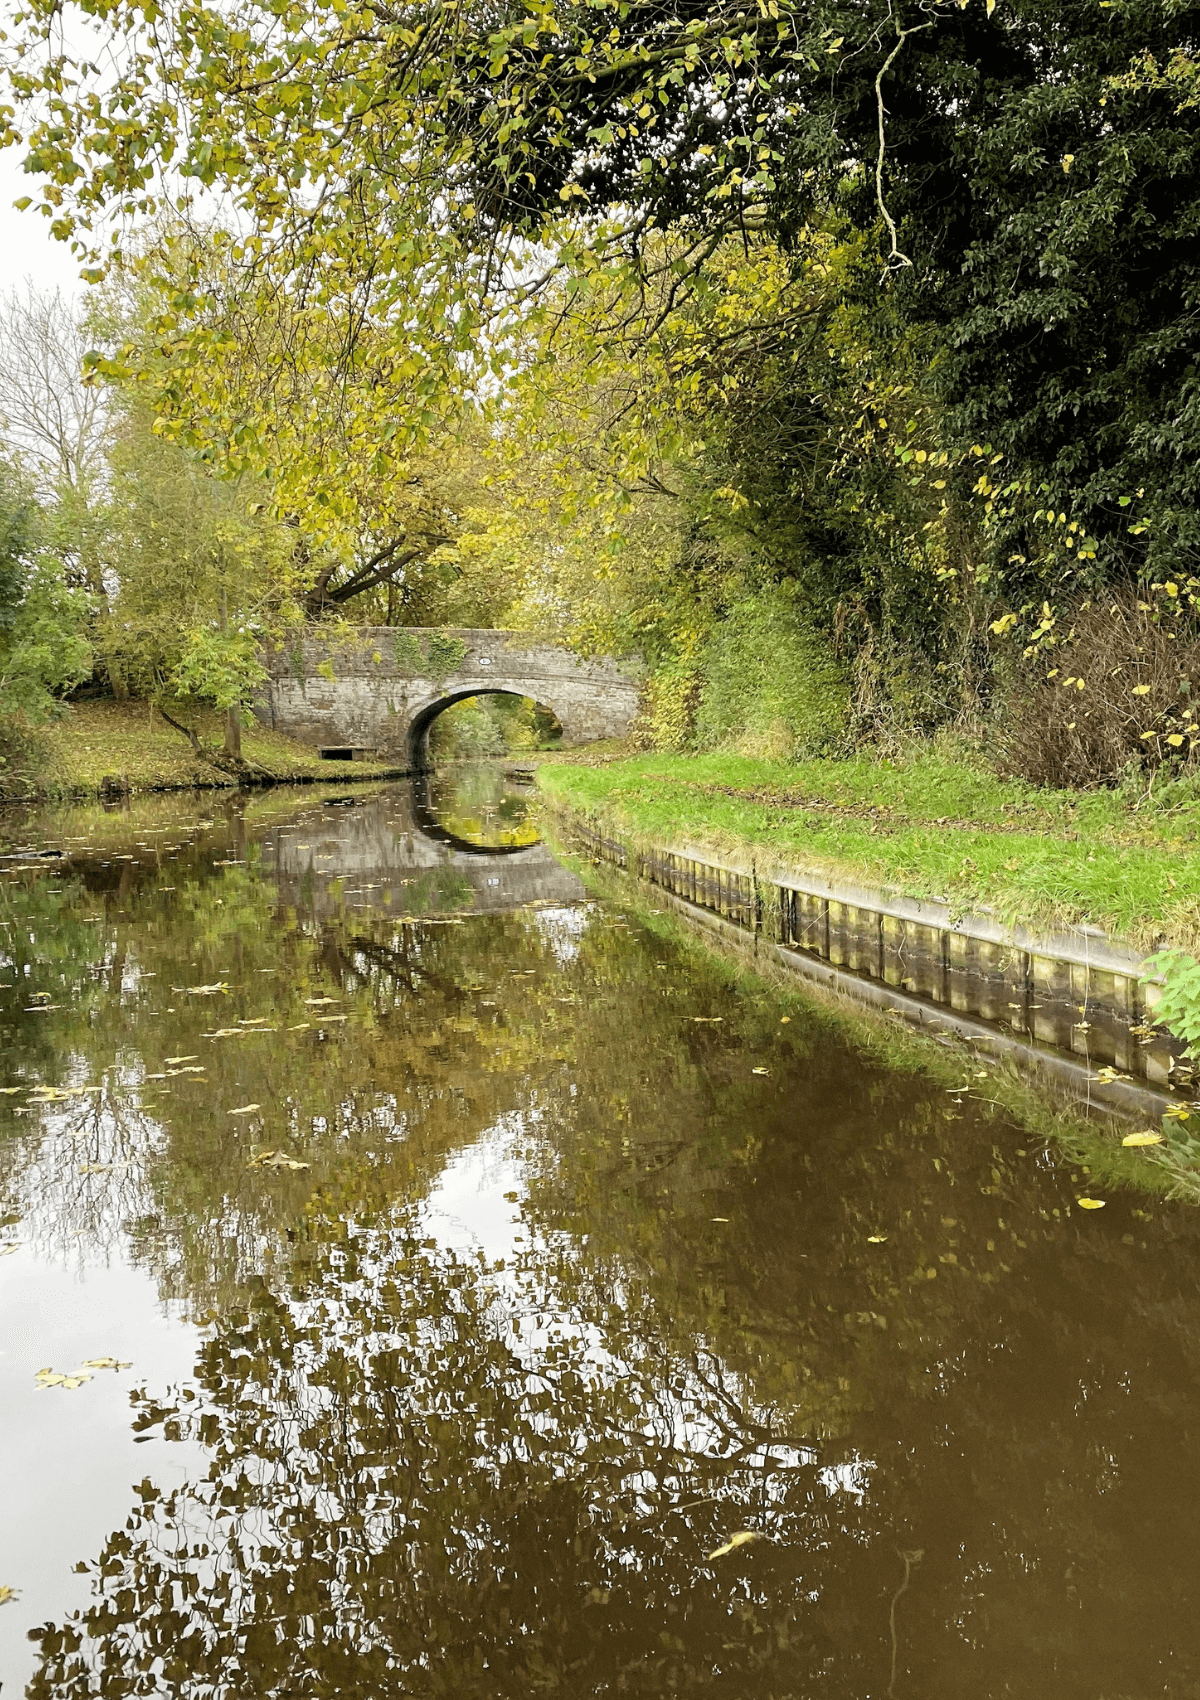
27,249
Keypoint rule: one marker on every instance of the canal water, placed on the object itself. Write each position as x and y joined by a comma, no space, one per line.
422,1276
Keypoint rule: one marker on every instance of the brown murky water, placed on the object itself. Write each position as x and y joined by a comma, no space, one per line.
483,1264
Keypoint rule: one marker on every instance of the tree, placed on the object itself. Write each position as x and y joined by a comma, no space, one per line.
1031,182
54,425
42,648
200,574
49,417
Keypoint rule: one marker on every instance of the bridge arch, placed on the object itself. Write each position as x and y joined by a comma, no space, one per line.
380,688
429,824
422,722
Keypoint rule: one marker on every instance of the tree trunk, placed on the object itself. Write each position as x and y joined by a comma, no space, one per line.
233,734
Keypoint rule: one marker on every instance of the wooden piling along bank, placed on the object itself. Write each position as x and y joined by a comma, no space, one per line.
1076,1000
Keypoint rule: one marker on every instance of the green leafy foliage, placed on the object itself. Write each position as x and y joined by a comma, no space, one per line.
42,645
1178,1005
769,685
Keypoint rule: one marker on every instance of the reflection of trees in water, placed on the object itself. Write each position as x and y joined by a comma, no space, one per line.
426,1480
431,1478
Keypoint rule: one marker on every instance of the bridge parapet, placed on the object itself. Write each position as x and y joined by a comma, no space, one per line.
381,687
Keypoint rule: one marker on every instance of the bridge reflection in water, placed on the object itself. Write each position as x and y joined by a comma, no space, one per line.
461,839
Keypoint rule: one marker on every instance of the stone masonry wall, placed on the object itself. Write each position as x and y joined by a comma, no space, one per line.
380,687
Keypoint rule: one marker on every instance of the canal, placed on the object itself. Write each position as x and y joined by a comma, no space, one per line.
424,1271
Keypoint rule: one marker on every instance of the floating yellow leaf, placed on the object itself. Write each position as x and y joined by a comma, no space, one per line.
108,1363
711,1020
319,1003
7,1594
203,991
300,1027
52,1378
1150,1137
1090,1203
245,1109
760,1071
876,1239
174,1062
743,1538
276,1160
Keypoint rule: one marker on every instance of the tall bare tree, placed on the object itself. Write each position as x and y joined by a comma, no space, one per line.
50,421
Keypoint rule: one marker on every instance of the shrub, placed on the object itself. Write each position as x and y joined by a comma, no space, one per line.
769,685
1118,698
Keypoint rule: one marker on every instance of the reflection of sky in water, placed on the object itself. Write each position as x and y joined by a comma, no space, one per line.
467,1208
70,1456
562,928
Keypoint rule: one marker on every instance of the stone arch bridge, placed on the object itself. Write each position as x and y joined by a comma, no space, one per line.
378,691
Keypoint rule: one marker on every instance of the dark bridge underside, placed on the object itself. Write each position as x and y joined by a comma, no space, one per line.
422,723
427,823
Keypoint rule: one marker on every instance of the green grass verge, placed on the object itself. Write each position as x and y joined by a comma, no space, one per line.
131,743
928,826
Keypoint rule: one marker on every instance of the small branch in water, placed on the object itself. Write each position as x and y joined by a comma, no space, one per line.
911,1560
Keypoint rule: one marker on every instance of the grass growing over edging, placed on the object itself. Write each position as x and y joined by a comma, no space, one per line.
128,741
927,826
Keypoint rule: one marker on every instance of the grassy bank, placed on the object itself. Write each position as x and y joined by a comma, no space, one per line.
131,747
929,826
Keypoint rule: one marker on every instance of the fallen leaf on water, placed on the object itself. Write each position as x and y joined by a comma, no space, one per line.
876,1239
300,1027
7,1594
276,1160
173,1062
1150,1137
203,991
245,1109
784,1018
743,1538
713,1019
718,1218
52,1378
1090,1203
9,1245
107,1363
760,1071
319,1003
188,1068
7,1089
